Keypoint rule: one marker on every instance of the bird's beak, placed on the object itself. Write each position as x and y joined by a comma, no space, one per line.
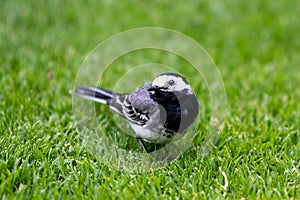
155,88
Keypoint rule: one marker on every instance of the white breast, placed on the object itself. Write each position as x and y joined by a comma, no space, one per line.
144,133
149,135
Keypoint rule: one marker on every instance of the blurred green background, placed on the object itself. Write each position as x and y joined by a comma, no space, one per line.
256,46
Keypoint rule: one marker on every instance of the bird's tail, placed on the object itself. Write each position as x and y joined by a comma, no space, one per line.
113,100
93,93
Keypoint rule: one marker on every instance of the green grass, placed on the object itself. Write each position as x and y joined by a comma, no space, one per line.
256,46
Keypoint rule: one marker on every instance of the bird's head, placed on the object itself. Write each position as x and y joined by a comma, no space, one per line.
170,82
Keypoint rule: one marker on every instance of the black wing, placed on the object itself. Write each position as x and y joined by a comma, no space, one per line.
134,114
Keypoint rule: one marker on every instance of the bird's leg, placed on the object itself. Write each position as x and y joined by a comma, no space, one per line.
141,144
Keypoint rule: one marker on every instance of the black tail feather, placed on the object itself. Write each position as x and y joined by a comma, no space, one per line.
93,93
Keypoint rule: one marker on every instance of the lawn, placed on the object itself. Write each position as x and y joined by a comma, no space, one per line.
256,46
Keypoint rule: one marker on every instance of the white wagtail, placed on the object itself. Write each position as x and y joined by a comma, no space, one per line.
158,112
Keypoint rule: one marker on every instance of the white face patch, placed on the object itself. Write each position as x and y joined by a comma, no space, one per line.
171,83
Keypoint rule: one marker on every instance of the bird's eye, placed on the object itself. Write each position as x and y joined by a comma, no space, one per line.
171,82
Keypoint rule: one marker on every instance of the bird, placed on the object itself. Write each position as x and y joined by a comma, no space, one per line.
158,112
